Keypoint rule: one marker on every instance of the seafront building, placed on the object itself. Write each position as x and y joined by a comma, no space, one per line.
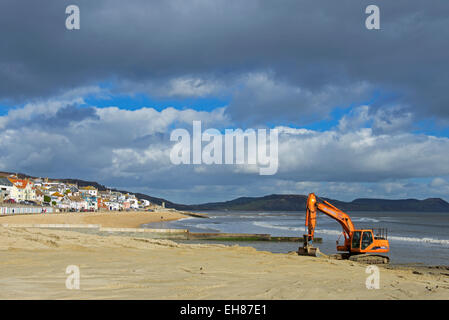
63,196
5,188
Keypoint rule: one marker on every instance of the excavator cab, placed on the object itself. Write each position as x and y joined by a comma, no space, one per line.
361,239
367,241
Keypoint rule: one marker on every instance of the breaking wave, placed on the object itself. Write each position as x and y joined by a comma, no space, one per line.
272,226
365,220
422,240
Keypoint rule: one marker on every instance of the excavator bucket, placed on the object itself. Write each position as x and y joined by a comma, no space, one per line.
309,251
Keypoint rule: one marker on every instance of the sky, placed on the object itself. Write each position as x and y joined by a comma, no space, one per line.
360,113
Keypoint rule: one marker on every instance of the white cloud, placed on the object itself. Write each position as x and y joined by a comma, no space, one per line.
188,86
438,182
361,155
192,87
388,119
130,149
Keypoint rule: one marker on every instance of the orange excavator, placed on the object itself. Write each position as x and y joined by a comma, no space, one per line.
362,245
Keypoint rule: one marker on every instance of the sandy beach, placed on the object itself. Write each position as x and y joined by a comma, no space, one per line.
34,261
114,219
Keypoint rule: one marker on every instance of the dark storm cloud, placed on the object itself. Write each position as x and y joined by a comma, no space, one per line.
67,115
315,52
61,119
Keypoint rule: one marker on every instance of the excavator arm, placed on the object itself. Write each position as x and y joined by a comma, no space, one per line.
330,210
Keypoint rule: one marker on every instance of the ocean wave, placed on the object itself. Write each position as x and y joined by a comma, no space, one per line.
273,226
365,220
248,216
328,232
422,240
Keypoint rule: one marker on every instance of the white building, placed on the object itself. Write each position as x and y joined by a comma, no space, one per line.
112,205
93,192
77,203
22,190
144,203
133,203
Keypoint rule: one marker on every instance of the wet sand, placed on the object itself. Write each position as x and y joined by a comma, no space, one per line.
34,261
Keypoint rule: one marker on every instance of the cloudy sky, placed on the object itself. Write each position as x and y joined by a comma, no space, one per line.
361,113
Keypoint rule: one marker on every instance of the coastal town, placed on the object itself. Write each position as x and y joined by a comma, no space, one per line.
36,195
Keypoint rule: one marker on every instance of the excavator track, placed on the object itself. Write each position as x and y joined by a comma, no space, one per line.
362,258
370,258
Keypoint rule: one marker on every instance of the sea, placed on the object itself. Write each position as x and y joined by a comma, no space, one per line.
416,238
